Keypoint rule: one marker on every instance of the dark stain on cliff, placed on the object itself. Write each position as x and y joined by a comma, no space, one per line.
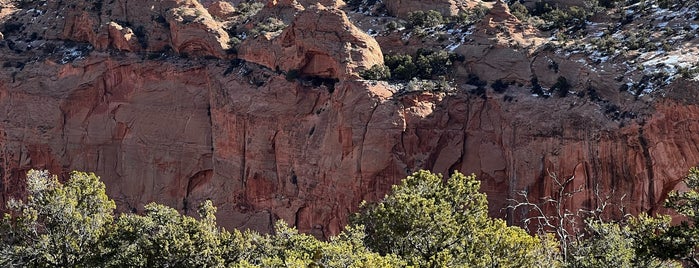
649,167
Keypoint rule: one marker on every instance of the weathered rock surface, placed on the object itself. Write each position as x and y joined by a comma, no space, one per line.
221,9
502,49
183,25
320,42
178,134
194,32
500,25
401,8
179,131
327,3
122,38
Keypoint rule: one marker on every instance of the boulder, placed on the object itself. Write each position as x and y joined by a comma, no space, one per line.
193,31
320,42
122,38
221,10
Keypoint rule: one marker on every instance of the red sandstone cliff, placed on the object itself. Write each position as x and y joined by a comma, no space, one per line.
179,130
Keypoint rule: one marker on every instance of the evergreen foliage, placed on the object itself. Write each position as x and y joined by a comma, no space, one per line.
424,64
58,225
426,221
376,72
435,224
424,19
614,245
164,238
681,241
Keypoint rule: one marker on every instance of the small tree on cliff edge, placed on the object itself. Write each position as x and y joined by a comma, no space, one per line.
431,223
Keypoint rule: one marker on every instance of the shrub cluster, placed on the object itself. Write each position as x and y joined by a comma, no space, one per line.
424,64
561,87
574,17
75,225
269,25
424,19
426,221
376,72
520,11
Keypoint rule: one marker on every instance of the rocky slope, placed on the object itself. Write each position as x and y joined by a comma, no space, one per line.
269,118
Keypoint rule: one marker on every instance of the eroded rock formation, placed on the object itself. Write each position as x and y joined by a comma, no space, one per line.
401,8
221,9
179,134
182,25
266,146
321,42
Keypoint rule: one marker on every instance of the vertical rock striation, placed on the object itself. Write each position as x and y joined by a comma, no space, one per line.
264,145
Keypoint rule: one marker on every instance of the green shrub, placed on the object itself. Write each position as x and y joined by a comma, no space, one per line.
292,75
536,87
499,86
141,35
247,10
609,3
541,8
430,221
520,11
233,44
376,72
401,66
474,80
638,40
269,25
392,26
562,86
425,64
434,63
668,3
606,44
575,17
27,4
422,19
688,72
471,15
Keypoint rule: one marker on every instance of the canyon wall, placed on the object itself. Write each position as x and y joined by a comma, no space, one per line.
182,126
179,133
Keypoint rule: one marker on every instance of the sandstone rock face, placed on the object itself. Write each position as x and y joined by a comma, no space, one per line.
79,26
334,48
502,63
498,15
401,8
563,4
263,148
122,38
221,9
109,104
327,3
178,134
285,3
501,48
155,25
195,32
284,10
